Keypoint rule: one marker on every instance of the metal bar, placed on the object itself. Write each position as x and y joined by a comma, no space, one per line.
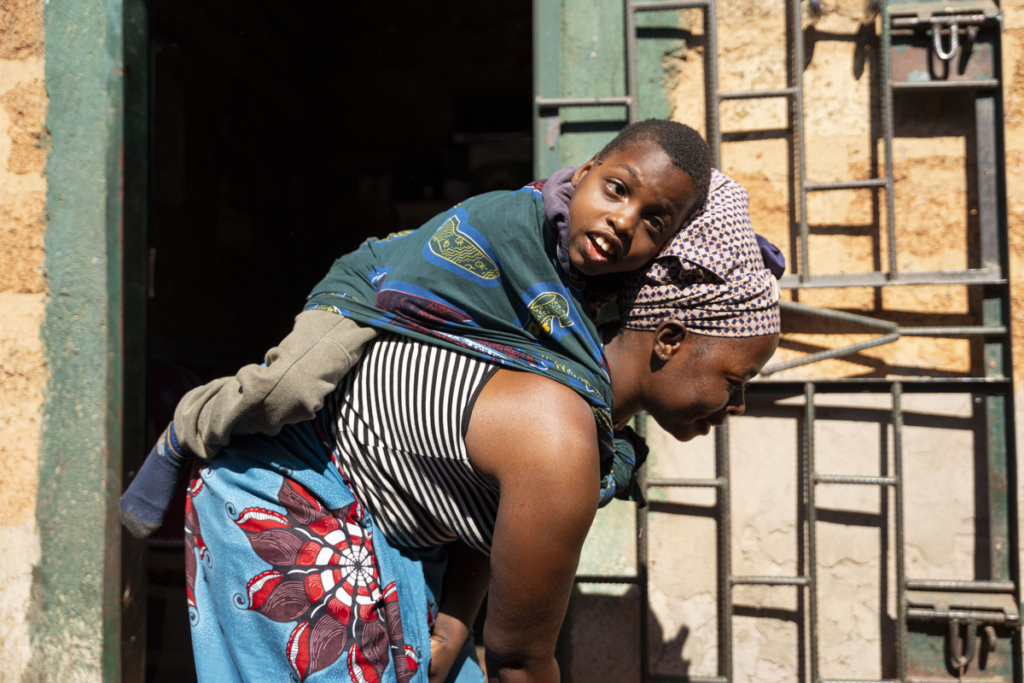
974,276
922,614
961,586
897,471
866,184
995,351
856,481
674,4
608,580
812,518
631,78
996,452
831,353
864,320
921,385
770,581
800,141
756,94
944,20
987,84
888,132
556,102
875,323
956,331
686,483
988,179
643,556
724,552
712,125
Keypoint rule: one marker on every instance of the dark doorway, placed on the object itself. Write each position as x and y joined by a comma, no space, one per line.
282,136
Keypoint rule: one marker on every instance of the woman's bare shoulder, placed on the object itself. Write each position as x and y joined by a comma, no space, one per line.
532,416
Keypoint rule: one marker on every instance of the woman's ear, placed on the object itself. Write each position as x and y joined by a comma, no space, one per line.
583,171
668,339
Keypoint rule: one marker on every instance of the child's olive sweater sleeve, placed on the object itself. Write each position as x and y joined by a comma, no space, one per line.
289,387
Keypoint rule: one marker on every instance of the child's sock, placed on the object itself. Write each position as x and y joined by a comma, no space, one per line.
147,499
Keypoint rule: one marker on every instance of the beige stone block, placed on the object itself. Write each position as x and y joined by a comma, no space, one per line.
23,378
20,88
21,28
25,105
21,242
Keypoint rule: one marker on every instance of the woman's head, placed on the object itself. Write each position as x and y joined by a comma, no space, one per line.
634,195
696,381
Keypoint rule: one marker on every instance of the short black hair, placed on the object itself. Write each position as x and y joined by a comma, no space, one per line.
683,145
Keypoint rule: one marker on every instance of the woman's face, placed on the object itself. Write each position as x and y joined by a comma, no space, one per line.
699,383
625,208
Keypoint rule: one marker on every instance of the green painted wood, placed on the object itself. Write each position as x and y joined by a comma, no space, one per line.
547,50
593,64
75,627
660,44
114,380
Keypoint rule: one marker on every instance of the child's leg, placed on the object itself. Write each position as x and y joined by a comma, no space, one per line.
288,388
147,499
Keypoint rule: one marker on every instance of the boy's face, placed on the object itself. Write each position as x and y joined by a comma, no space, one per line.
625,208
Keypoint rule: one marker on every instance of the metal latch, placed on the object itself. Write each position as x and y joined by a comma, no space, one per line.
967,56
965,613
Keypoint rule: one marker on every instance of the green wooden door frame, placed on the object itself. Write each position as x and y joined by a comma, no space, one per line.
76,622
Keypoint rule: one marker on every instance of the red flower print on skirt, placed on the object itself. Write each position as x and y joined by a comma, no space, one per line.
194,544
324,575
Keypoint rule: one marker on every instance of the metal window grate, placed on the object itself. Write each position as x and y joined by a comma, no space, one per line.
977,606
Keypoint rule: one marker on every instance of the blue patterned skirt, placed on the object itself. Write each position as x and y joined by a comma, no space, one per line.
289,579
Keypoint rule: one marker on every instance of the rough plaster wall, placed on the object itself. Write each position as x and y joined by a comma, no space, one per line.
23,372
856,593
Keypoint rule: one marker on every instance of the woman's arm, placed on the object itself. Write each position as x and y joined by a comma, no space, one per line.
538,440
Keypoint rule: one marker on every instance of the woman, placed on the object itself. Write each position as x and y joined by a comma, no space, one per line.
312,553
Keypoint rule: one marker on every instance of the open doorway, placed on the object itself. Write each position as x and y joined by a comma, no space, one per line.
283,136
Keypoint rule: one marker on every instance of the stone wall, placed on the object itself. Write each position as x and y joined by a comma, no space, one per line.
943,434
23,372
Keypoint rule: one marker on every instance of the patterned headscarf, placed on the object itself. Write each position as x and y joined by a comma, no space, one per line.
711,277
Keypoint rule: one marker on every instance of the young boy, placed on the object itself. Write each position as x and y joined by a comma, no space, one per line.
610,216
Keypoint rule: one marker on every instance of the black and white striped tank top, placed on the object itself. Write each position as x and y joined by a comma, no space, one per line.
402,415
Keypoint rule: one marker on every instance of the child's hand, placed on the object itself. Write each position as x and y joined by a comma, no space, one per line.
445,644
